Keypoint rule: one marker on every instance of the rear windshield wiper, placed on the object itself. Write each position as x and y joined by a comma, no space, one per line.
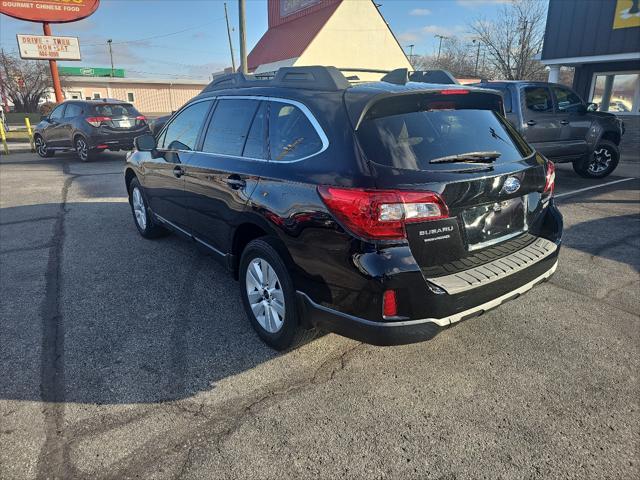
474,157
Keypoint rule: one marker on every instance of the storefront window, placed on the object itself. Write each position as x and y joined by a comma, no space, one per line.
617,93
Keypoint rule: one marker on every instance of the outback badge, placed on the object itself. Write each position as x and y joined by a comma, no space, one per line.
511,185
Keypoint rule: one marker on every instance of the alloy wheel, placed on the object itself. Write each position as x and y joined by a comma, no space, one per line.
139,209
265,294
82,149
600,161
41,147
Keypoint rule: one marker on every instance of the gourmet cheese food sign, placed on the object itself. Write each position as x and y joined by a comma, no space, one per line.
49,11
40,47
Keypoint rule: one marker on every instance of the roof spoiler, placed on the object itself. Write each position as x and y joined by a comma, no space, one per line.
400,76
310,78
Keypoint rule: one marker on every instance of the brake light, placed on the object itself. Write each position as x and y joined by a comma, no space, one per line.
389,304
97,121
141,118
454,91
382,214
550,182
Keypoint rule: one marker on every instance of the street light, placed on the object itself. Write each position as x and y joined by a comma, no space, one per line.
440,44
410,47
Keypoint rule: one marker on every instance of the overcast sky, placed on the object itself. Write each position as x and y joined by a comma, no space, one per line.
188,39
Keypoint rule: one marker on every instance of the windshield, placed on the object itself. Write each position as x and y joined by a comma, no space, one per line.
411,140
116,110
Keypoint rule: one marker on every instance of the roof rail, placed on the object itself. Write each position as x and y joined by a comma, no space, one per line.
311,78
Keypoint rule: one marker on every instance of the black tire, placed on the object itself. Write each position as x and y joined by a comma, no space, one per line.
290,334
599,164
85,154
148,228
41,147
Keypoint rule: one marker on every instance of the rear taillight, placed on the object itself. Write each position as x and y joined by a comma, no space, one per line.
382,214
97,121
454,91
141,119
550,182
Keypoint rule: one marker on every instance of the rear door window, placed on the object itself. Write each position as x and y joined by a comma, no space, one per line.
229,127
291,134
73,110
538,99
182,132
409,133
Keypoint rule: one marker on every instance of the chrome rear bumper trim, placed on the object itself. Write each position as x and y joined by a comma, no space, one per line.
497,269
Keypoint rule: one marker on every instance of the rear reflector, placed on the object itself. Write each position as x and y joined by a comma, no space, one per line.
97,121
389,304
382,214
550,182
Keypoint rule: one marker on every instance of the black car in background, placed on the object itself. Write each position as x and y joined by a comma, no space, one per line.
382,211
89,127
560,125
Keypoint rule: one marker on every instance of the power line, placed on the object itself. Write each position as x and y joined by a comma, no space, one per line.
157,36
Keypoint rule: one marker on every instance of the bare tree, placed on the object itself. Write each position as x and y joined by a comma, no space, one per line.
25,81
514,39
458,56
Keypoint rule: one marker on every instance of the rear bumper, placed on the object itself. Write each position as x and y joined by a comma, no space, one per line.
122,141
402,332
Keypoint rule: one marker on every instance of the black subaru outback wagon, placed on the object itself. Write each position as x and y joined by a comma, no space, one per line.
381,211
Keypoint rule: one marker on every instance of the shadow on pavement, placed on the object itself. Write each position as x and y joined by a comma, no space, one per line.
96,314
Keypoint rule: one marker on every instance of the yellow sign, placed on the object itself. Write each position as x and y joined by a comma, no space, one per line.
627,14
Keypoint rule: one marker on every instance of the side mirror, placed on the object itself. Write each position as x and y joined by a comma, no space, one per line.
592,107
146,143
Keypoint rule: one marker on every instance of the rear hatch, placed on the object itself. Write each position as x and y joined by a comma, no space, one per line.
457,144
118,117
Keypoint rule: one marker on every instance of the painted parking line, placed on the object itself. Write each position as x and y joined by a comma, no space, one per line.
580,190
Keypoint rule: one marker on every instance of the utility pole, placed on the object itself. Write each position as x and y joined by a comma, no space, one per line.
440,44
111,56
243,36
475,40
233,60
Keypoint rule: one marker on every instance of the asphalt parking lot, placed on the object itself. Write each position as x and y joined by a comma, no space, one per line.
127,358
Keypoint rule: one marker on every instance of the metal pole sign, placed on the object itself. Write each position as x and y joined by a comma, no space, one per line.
49,11
46,12
40,47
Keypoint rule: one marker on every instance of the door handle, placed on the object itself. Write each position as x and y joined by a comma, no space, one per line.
564,122
178,171
235,182
531,122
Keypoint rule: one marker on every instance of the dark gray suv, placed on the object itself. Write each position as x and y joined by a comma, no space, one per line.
89,127
560,125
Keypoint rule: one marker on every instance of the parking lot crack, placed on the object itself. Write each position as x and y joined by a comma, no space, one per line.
53,461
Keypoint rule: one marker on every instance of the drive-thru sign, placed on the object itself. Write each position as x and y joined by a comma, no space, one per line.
40,47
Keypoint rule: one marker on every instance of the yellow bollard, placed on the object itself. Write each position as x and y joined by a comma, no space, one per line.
28,124
3,137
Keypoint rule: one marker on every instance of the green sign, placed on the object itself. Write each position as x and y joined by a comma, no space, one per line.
90,72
